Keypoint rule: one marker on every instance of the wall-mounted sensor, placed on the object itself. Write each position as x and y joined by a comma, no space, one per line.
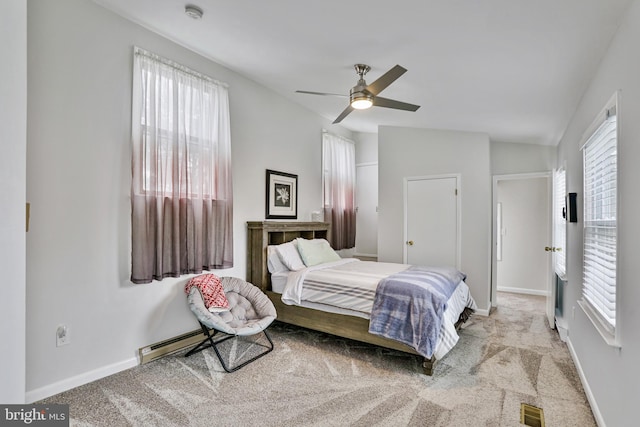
573,207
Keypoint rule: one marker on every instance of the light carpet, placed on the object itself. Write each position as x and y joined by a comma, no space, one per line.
315,379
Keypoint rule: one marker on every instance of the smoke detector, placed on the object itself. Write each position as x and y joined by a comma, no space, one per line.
193,11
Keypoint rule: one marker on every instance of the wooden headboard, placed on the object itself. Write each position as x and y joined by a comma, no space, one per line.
260,234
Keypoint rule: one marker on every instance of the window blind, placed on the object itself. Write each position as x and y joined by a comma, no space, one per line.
600,221
560,222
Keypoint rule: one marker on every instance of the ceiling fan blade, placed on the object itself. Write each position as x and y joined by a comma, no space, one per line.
344,114
386,79
321,93
379,101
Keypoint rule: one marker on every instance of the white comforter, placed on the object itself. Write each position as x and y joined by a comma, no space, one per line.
351,284
336,281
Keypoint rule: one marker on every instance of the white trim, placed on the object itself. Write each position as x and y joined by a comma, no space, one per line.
367,164
585,385
612,339
523,291
608,337
78,380
517,176
499,231
482,312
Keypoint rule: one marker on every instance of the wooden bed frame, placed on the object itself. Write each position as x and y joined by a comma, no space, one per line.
260,234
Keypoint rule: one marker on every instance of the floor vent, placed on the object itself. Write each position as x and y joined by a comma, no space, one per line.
531,416
162,348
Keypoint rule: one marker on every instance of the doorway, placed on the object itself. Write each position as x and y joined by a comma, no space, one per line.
367,210
522,228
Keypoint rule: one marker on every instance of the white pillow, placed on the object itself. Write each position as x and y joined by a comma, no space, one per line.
273,260
288,253
316,251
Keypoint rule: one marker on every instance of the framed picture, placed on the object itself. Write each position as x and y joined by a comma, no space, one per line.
282,195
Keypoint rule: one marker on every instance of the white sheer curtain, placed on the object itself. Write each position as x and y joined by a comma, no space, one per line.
339,166
181,191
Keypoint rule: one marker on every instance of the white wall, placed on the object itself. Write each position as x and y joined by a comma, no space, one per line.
612,376
525,225
515,158
405,152
78,180
366,147
13,153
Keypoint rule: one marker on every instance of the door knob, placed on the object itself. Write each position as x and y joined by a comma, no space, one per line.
410,243
548,249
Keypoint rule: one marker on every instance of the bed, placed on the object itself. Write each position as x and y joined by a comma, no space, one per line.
316,307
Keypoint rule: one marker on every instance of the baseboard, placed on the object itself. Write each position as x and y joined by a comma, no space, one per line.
523,291
482,312
585,385
78,380
357,254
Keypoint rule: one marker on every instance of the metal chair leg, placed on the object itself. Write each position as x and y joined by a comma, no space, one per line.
210,342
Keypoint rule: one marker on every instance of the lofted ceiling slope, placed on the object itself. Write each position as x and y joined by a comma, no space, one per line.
514,69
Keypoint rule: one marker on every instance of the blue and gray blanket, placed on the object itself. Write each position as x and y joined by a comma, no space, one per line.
409,306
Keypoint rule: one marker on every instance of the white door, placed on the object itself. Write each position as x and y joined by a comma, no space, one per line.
559,245
367,210
432,221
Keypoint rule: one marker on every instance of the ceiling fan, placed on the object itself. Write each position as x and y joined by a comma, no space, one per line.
363,96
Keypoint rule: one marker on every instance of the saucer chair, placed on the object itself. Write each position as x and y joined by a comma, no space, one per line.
249,312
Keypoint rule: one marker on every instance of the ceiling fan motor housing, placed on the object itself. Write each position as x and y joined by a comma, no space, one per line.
360,93
359,96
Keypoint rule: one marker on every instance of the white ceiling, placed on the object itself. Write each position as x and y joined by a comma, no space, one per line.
514,69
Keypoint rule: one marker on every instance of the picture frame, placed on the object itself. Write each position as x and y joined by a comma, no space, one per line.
281,195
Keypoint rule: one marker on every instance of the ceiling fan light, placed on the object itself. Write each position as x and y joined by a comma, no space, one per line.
361,102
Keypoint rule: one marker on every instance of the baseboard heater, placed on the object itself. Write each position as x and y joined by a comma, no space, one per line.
171,345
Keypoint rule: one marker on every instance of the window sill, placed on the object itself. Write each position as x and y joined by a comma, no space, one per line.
608,337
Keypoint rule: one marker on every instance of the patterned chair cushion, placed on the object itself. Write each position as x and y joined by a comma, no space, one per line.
250,310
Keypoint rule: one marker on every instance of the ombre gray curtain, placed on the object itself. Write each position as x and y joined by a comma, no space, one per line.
339,167
181,193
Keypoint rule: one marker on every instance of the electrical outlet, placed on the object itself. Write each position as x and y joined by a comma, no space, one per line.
62,335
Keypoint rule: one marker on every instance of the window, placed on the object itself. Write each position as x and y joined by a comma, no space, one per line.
600,222
559,222
339,189
181,190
